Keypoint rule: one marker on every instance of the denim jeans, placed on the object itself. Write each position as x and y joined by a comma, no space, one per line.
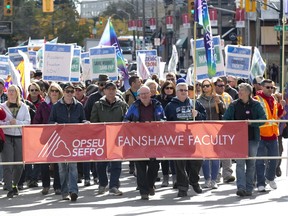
266,148
165,164
115,172
87,167
211,169
245,178
68,178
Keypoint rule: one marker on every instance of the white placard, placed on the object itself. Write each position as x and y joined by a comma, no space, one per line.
57,62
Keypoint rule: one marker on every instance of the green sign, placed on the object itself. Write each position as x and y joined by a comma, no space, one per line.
280,28
104,65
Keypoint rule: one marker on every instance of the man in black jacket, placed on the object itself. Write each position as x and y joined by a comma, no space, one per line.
181,109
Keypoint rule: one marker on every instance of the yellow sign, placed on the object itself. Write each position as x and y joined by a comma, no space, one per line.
47,6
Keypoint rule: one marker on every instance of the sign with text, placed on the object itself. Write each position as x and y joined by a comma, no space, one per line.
14,56
151,60
169,140
201,61
4,66
238,60
75,67
57,60
103,61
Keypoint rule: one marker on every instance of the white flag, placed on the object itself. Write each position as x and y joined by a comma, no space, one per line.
15,75
173,60
142,70
26,72
258,65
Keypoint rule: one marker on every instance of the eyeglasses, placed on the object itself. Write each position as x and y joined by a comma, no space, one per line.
54,90
220,86
169,88
183,90
269,87
69,91
206,86
33,90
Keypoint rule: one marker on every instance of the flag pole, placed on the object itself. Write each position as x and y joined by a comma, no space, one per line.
283,55
194,65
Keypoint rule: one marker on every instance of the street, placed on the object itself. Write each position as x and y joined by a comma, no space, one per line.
221,201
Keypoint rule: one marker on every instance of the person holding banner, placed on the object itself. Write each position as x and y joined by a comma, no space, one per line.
109,108
181,109
246,108
269,132
17,113
215,108
68,110
145,109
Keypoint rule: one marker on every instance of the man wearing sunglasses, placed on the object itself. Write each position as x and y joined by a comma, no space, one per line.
269,132
181,109
68,110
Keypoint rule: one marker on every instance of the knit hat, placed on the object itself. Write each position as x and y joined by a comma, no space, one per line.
180,80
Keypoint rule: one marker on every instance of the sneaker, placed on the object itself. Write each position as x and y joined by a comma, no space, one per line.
197,188
165,182
74,197
15,191
158,179
45,191
144,197
182,193
20,187
214,184
96,181
10,194
57,191
65,197
229,179
87,183
261,188
241,193
79,180
115,191
102,190
207,183
272,184
218,180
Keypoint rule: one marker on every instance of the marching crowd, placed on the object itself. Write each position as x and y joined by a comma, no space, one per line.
155,99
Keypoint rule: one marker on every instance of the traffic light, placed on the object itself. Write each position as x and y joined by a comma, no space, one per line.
250,5
100,20
191,7
8,7
48,6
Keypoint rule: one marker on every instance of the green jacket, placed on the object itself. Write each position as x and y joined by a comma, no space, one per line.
102,111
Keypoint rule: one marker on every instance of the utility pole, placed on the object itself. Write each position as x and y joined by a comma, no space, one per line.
282,50
144,25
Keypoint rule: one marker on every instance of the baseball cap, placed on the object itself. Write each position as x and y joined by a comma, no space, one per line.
110,84
68,85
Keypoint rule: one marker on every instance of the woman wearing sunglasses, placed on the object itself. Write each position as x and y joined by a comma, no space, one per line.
215,108
35,94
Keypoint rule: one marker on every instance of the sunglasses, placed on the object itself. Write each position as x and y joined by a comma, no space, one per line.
54,90
206,86
34,90
69,91
183,90
169,88
220,86
269,87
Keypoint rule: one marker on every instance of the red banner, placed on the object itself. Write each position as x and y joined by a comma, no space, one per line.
78,142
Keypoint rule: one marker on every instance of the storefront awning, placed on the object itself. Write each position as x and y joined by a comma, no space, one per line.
182,42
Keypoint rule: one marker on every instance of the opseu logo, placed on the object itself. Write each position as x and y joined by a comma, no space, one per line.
57,147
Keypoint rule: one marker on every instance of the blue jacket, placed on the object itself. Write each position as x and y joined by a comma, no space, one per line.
182,111
133,113
61,113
